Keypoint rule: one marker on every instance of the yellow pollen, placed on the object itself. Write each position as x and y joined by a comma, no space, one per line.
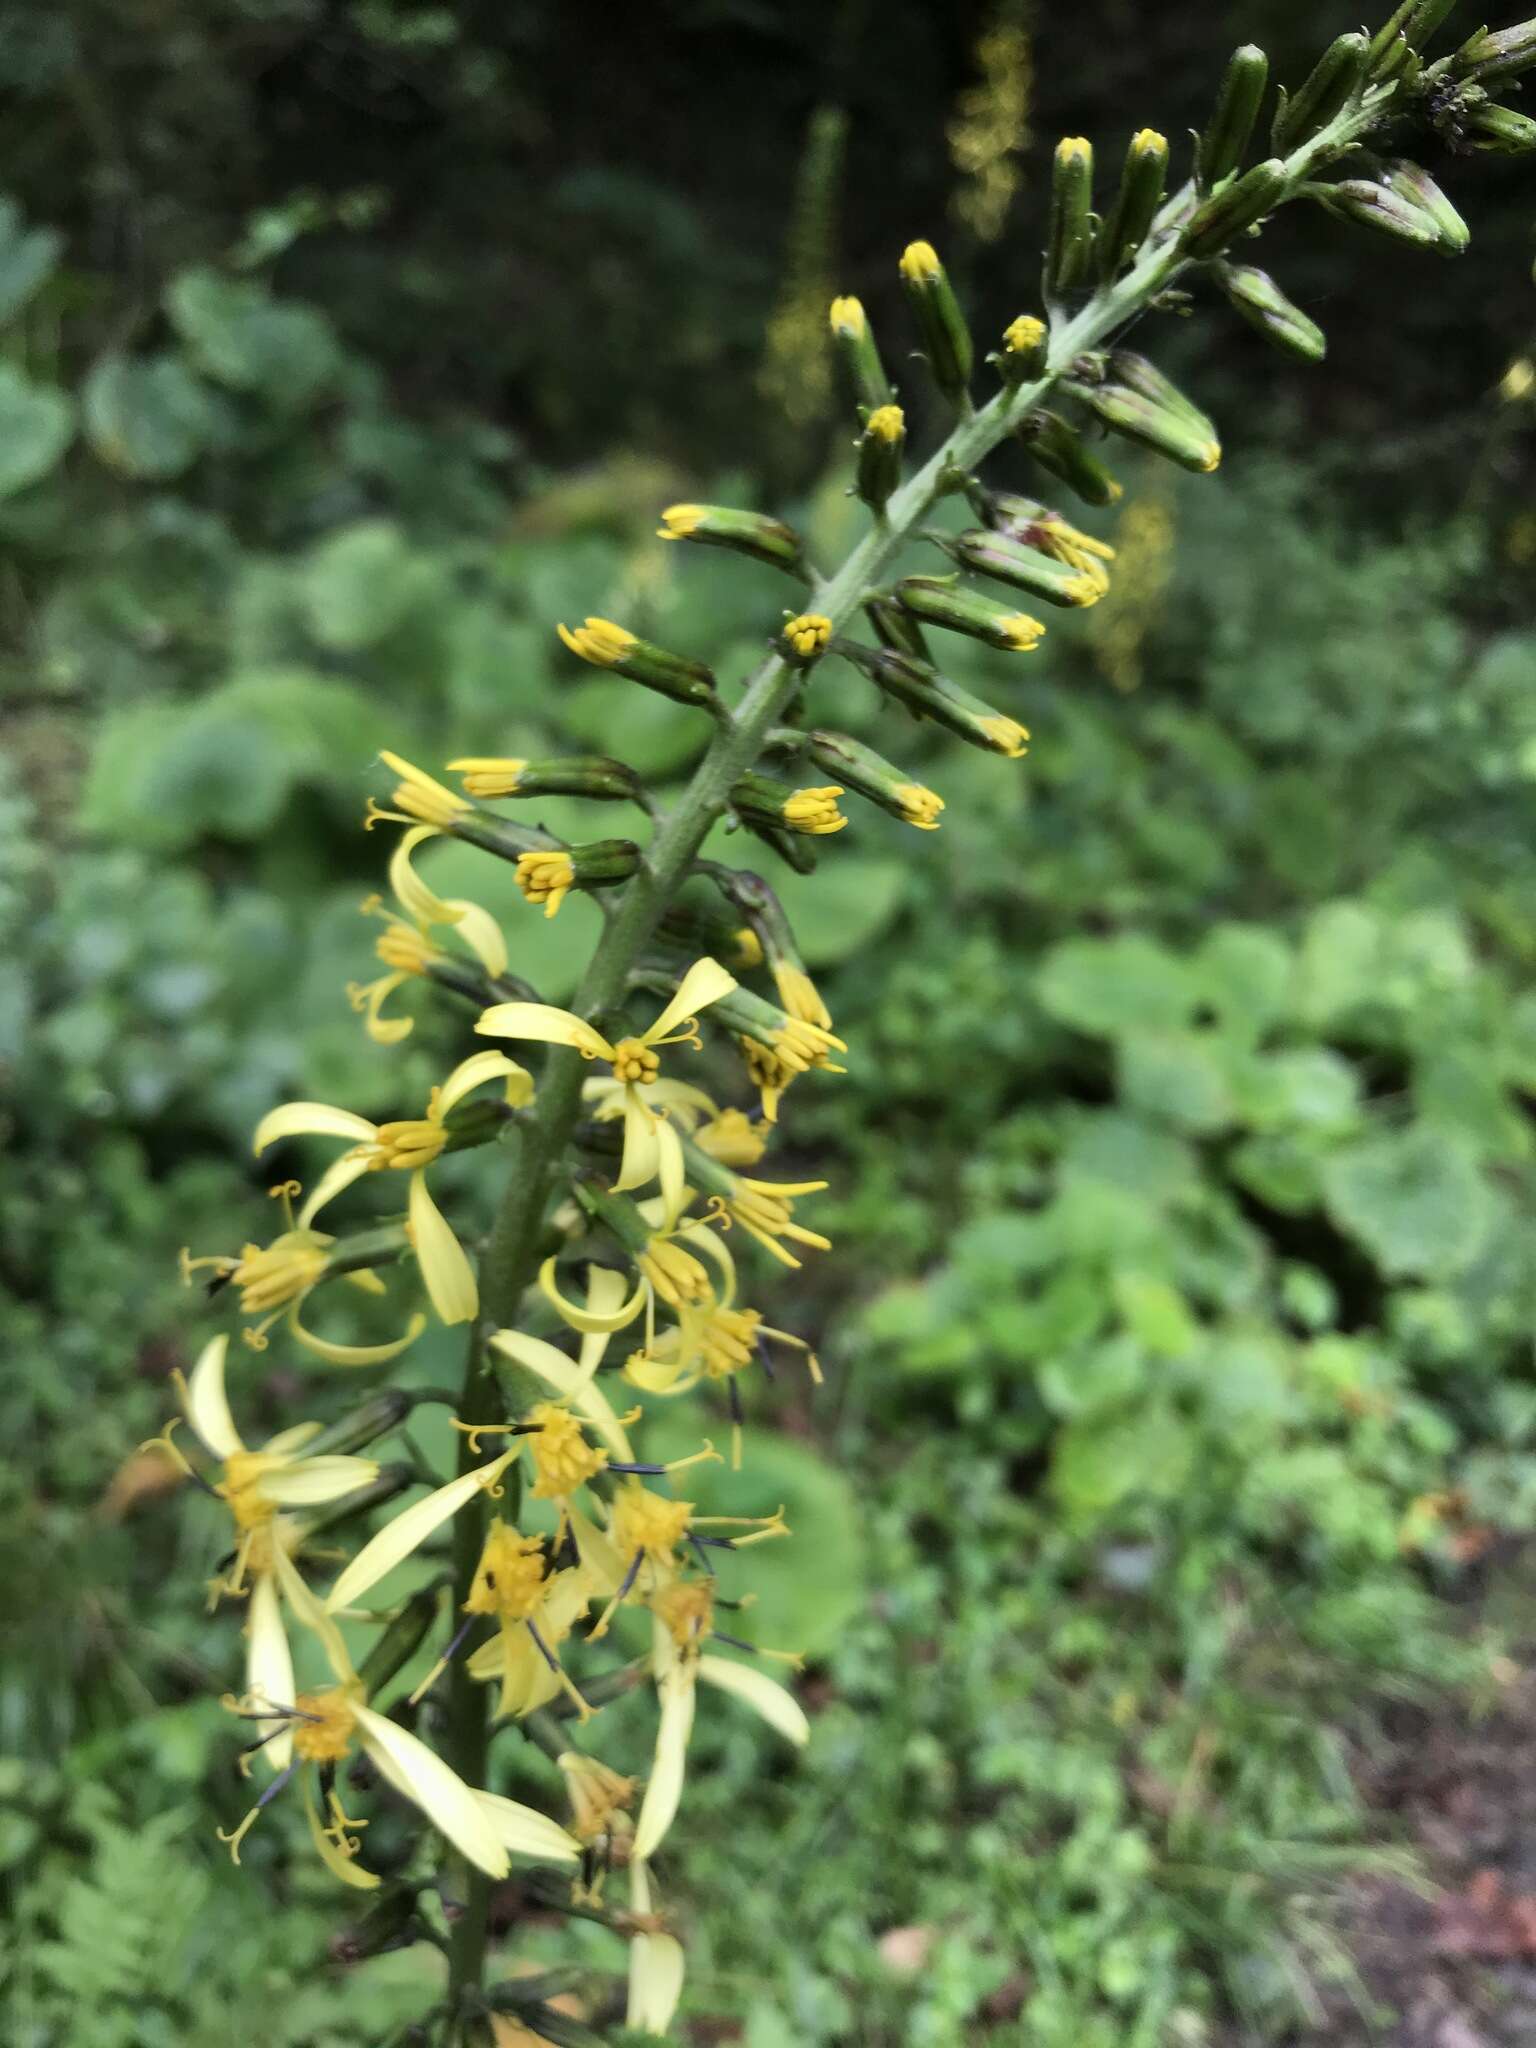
748,947
1024,334
1023,632
405,950
546,878
407,1144
1007,735
920,263
732,1138
687,1610
562,1457
325,1734
597,1794
647,1524
846,316
634,1060
599,641
418,796
489,775
815,810
808,634
678,521
727,1340
242,1475
509,1580
920,806
886,423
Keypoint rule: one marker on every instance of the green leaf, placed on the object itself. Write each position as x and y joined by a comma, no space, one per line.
240,337
1341,961
1094,1378
1244,974
1100,1461
1177,1076
1112,986
146,416
1156,1314
37,424
1413,1199
28,258
1310,1089
358,585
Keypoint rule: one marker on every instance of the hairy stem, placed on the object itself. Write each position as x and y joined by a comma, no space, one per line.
510,1259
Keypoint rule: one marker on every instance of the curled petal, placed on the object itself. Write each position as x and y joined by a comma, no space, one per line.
474,1072
312,1615
416,898
641,1157
311,1120
206,1403
335,1862
565,1376
705,982
383,1030
589,1319
605,1290
543,1024
408,1530
776,1703
446,1273
481,933
356,1354
452,1806
656,1970
670,1172
338,1176
665,1787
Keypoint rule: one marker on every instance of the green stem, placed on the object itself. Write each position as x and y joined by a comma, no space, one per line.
509,1262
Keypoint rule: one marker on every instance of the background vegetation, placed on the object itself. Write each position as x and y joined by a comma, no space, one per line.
1179,1332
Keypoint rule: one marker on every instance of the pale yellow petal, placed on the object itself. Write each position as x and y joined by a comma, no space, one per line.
526,1831
542,1024
338,1176
481,933
565,1376
599,1559
700,1237
705,982
638,1166
207,1405
660,1376
288,1441
310,1482
308,1611
408,1530
675,1196
269,1667
656,1966
605,1290
665,1787
764,1695
473,1073
338,1865
589,1320
452,1806
311,1120
356,1354
417,900
446,1273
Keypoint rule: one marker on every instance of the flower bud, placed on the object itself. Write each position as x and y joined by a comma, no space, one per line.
927,694
594,775
1222,145
1061,450
1265,307
1236,207
375,1417
895,628
1404,203
861,358
606,645
547,876
1134,398
1022,355
1493,55
877,779
693,931
1332,83
804,638
1141,194
945,336
761,799
395,1648
880,446
618,1214
745,533
1070,236
1026,568
944,601
1500,131
1037,526
1396,44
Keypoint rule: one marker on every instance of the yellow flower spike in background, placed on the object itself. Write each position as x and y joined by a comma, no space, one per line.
409,1146
651,1148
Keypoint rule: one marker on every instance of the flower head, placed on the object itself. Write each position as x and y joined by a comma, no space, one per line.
546,878
807,635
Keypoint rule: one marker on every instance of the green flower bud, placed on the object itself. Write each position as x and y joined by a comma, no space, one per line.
945,601
1222,145
546,877
895,628
593,775
1333,82
1140,195
1027,568
1500,131
876,779
376,1416
1404,203
1061,450
927,694
861,358
1022,355
392,1923
746,533
880,446
1493,55
617,1214
608,646
1134,398
1235,208
946,338
1265,307
761,799
395,1648
1395,46
1070,239
693,931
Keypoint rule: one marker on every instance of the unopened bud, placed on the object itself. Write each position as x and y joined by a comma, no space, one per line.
1062,451
1022,355
1493,55
1265,307
1027,568
1500,131
1332,83
593,775
946,338
1134,398
928,694
945,601
745,533
1404,203
761,799
606,645
876,779
880,446
393,1480
861,358
732,944
1037,526
1396,44
1225,139
804,638
894,627
546,877
1141,194
1234,209
1070,236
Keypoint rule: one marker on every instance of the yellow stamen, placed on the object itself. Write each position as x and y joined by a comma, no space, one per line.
562,1457
488,775
808,634
920,806
1024,335
678,521
419,797
815,810
1007,736
920,263
634,1061
599,641
324,1734
546,878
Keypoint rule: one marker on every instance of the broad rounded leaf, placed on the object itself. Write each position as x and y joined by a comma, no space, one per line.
240,337
1413,1199
146,416
28,258
358,585
37,424
1110,986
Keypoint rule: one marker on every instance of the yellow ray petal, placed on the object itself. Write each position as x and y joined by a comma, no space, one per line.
452,1806
408,1530
310,1482
312,1615
473,1073
542,1024
311,1120
355,1354
665,1787
777,1705
639,1163
587,1320
418,901
339,1175
565,1376
605,1290
269,1666
481,933
206,1403
705,982
446,1273
526,1831
338,1865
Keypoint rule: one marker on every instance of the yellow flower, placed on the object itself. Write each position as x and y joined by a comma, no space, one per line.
1024,335
410,1146
886,423
799,1044
1006,735
535,1610
846,317
416,797
919,806
920,263
600,1798
732,1138
800,995
815,810
546,877
488,774
678,521
651,1146
405,948
275,1279
807,635
599,641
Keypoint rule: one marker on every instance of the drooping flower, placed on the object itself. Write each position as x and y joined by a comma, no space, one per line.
405,946
409,1146
651,1149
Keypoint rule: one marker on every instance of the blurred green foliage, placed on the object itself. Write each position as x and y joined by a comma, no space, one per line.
1178,1330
